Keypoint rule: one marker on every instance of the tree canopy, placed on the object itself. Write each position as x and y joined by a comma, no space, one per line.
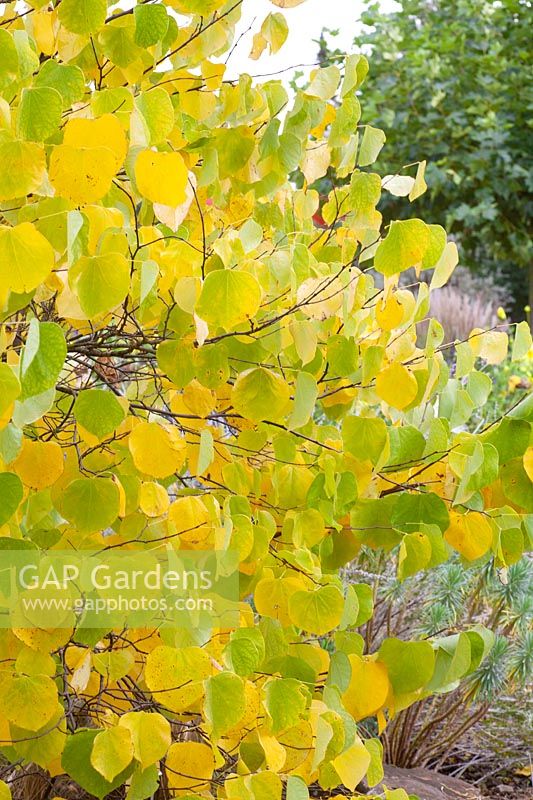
447,85
189,365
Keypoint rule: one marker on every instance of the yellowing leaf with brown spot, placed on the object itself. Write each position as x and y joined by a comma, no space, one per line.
39,464
106,131
389,313
272,595
161,177
176,676
397,386
368,688
80,174
156,451
26,258
112,752
190,767
470,534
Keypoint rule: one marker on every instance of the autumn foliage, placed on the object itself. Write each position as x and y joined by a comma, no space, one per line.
189,363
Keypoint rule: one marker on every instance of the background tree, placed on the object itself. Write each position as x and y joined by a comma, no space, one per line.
447,85
190,366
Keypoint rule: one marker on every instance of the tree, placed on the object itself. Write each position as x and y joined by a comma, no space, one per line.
447,85
190,369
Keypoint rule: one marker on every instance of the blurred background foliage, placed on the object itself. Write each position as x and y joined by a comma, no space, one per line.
448,84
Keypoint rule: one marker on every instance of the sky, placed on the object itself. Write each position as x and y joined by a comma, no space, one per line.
305,23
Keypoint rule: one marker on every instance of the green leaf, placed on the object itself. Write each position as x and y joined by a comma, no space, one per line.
371,144
404,246
304,400
365,437
9,387
67,79
415,554
318,610
225,702
324,83
365,598
246,651
510,438
420,507
9,60
42,358
151,24
82,16
260,394
90,504
143,783
355,71
286,701
206,452
11,493
296,788
39,114
522,341
98,411
517,486
228,297
155,108
375,770
76,761
176,361
409,664
101,282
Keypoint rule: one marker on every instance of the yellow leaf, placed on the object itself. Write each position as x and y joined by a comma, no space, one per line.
153,499
528,462
156,451
29,701
26,257
368,688
494,346
5,792
397,386
351,766
22,168
105,131
150,734
190,767
176,676
191,520
161,177
389,313
470,534
316,161
112,752
272,595
39,464
287,3
80,174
